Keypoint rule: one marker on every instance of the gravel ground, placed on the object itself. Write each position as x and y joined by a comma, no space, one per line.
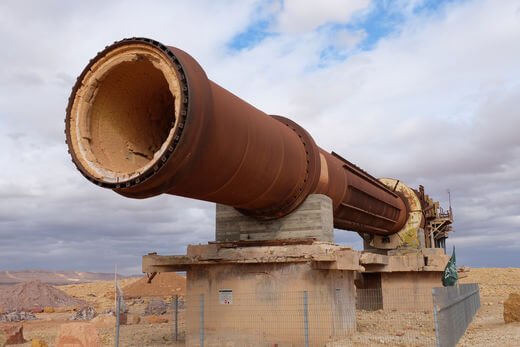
488,327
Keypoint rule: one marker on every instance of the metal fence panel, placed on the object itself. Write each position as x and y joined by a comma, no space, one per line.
454,308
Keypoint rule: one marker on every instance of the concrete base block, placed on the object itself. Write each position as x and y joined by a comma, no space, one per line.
312,219
409,291
397,291
268,304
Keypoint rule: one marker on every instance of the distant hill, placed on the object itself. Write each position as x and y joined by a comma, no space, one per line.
8,278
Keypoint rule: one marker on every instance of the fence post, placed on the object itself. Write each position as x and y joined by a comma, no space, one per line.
201,320
176,316
436,319
306,318
118,310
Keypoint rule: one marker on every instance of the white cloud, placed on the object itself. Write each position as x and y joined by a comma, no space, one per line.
349,39
299,16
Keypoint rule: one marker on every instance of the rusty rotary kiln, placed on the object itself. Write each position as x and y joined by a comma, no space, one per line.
143,119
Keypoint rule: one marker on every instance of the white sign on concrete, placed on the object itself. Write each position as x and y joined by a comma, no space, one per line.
225,296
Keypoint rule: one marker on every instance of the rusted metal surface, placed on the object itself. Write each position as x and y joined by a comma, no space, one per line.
193,138
411,235
437,221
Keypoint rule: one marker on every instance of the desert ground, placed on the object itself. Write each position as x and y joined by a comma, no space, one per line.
373,328
488,327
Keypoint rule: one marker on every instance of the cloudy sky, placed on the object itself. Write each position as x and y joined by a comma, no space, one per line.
424,91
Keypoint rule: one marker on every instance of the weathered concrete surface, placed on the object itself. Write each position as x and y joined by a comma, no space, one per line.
400,280
409,291
426,259
266,303
402,291
312,219
323,255
512,308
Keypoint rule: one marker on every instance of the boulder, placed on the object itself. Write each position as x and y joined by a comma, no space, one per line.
156,319
16,316
78,335
123,318
110,318
13,334
133,319
512,308
3,338
156,307
86,313
38,343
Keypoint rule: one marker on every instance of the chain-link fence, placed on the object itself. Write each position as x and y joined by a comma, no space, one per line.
395,317
390,317
256,319
150,321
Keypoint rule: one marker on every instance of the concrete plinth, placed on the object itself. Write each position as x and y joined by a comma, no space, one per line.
409,291
400,280
312,219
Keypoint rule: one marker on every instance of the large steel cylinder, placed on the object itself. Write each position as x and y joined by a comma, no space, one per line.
143,119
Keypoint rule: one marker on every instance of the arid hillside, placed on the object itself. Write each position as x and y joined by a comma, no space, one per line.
8,278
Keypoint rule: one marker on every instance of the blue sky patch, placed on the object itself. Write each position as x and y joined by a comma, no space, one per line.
253,35
383,19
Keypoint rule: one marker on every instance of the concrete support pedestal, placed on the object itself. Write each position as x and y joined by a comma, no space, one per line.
284,292
281,282
400,280
284,282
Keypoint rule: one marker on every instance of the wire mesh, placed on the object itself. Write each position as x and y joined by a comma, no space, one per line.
153,321
312,319
367,317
